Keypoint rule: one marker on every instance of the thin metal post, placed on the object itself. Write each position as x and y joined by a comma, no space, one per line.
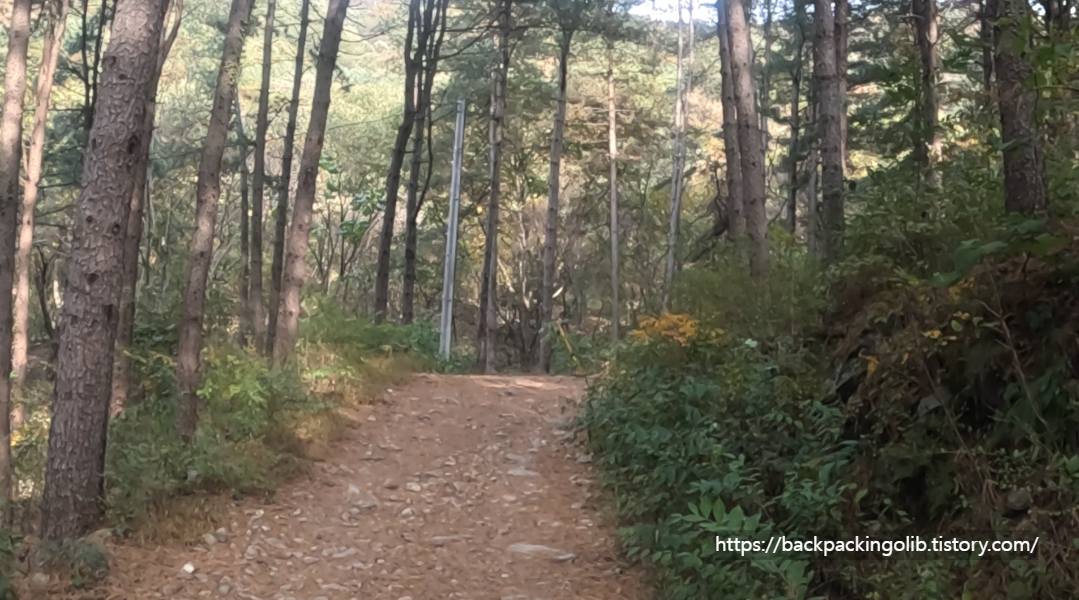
449,273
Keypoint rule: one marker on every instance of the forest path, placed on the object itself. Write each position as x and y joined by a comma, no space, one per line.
451,487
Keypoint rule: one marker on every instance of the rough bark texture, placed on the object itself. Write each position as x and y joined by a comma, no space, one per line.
1025,188
288,318
258,185
413,60
207,192
678,142
434,16
612,157
489,304
928,143
554,189
830,209
54,35
281,220
10,158
749,139
74,476
121,378
736,226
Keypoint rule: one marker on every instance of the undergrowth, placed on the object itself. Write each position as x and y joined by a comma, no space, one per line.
930,389
258,426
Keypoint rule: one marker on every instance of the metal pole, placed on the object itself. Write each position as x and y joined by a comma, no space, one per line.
451,234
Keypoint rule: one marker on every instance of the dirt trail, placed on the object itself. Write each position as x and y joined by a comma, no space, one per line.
453,487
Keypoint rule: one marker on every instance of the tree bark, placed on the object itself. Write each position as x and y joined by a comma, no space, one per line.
830,210
674,205
796,131
554,188
10,159
397,159
842,35
50,53
612,158
499,77
736,227
749,139
434,16
288,318
246,325
254,295
207,192
1025,188
928,142
74,476
985,34
121,378
281,219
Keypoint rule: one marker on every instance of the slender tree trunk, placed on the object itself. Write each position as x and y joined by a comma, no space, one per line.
54,36
749,139
928,144
10,159
612,158
207,192
554,188
674,205
796,131
500,76
288,318
842,34
1025,188
736,227
254,296
434,16
831,205
985,34
246,325
413,60
281,219
121,378
74,476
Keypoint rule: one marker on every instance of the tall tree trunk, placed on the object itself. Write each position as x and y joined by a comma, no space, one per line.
121,378
842,35
54,36
74,475
207,192
489,305
796,131
831,145
985,34
928,144
612,158
10,159
246,325
254,296
397,158
434,16
1025,188
281,219
674,205
749,139
288,318
736,227
554,188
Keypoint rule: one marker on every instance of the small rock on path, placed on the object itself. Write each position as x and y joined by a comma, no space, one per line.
460,487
